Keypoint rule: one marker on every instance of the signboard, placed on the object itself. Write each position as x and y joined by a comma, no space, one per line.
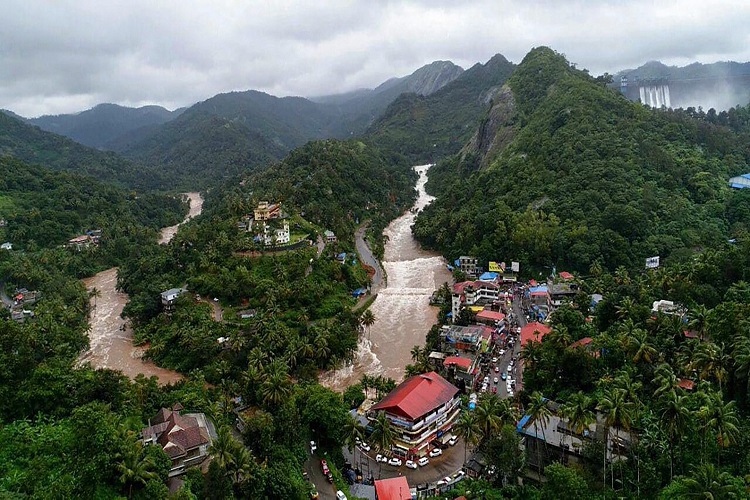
652,262
496,267
515,267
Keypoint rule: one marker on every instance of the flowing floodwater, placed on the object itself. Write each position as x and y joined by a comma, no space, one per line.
110,336
403,314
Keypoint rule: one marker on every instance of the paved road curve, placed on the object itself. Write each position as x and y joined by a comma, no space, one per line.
366,256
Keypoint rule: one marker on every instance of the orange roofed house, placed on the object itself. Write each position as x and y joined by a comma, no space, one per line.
184,438
420,409
533,332
395,488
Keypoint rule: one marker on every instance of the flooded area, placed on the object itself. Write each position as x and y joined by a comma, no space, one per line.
403,314
110,336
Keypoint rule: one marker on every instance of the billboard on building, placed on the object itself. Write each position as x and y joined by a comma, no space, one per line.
496,267
652,262
515,267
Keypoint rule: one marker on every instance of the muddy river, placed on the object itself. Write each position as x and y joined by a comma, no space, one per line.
403,314
111,339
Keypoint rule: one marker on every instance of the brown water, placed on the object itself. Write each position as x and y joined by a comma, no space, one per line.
403,314
110,336
196,206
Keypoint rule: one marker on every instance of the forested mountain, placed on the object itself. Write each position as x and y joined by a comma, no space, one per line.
584,175
198,149
424,128
36,146
103,124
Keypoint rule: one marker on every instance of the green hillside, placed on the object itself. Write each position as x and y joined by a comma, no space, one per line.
589,176
423,128
198,149
44,208
34,145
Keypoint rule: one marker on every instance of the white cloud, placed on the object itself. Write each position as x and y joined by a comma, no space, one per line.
66,56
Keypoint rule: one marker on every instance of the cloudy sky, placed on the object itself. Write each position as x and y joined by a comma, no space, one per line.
66,56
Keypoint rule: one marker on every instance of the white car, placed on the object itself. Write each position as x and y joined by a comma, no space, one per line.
445,480
364,446
395,462
487,379
494,360
511,393
423,461
313,447
510,367
453,440
381,458
496,380
411,465
458,475
436,452
502,351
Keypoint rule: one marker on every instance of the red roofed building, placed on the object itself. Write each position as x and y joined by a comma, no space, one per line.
463,363
533,332
686,384
566,275
395,488
490,317
184,438
419,408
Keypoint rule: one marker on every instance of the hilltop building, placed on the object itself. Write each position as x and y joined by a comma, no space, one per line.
420,409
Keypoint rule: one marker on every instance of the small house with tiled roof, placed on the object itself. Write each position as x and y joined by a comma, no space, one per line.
421,409
184,438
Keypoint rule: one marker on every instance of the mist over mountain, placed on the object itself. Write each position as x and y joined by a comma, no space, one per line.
720,85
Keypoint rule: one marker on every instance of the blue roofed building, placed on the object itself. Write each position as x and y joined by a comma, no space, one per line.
740,181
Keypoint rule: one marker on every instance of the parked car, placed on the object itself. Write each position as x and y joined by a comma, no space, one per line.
502,351
395,462
510,367
496,380
458,475
504,376
436,452
324,466
364,446
381,458
423,461
494,360
444,481
313,447
411,464
453,440
494,389
340,495
486,380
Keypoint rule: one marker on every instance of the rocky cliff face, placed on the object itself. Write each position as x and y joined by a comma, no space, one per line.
496,130
433,77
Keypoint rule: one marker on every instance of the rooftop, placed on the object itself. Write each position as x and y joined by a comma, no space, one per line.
464,363
533,332
417,396
395,488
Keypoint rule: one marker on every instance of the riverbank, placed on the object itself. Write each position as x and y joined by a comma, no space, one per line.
110,336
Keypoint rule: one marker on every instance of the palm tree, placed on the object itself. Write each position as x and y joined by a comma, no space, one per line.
368,319
366,382
539,414
699,320
467,427
705,481
221,449
674,420
710,361
578,412
664,379
383,434
352,430
135,467
617,412
487,412
638,346
276,386
721,419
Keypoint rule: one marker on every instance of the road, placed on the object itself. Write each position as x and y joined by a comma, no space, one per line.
366,256
448,463
321,245
326,490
